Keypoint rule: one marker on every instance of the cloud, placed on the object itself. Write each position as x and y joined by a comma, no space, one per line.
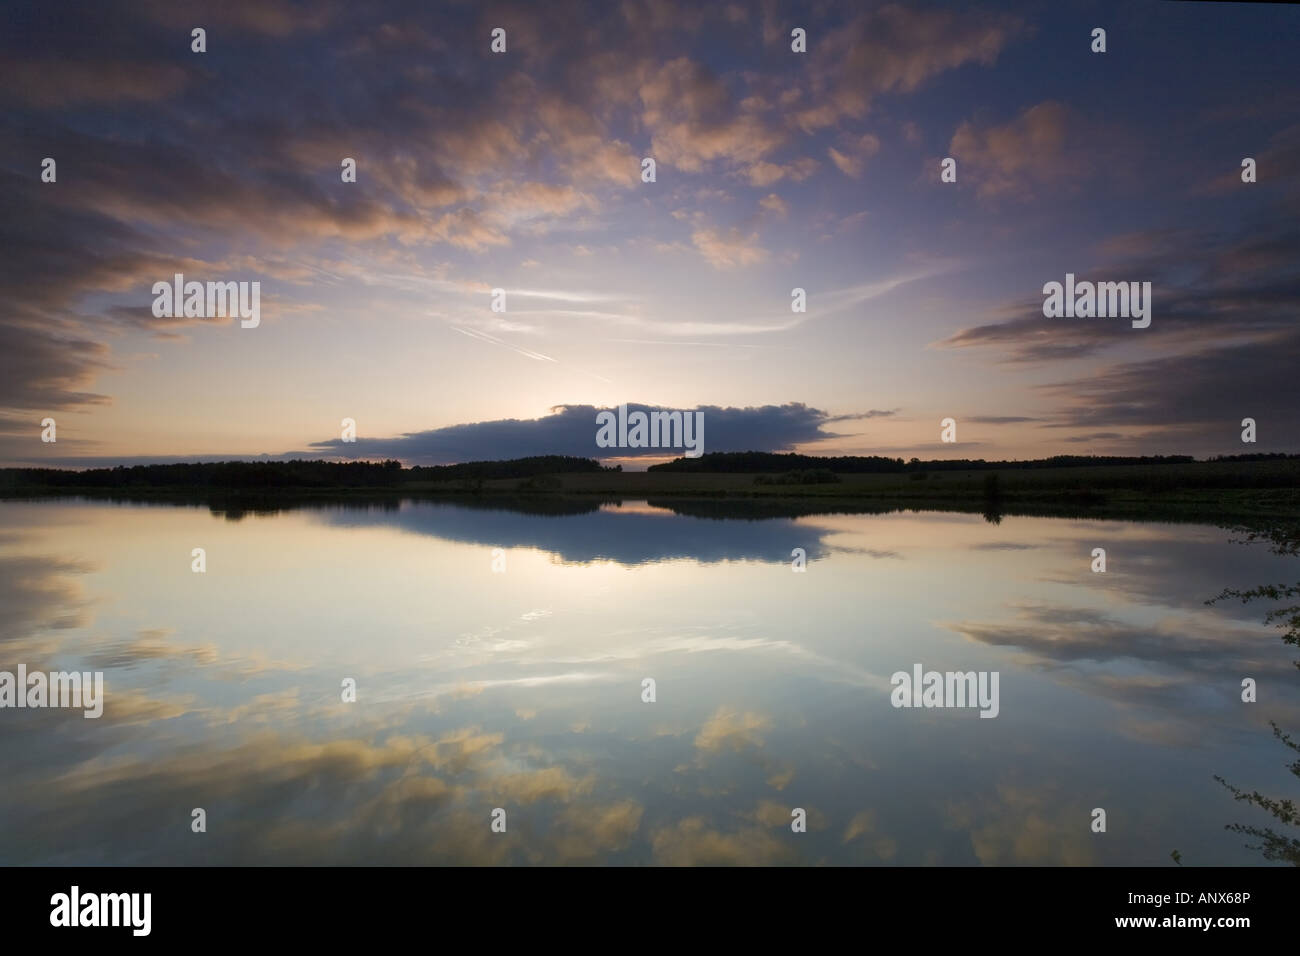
1185,397
894,49
469,165
1213,291
824,303
1223,324
871,413
513,204
462,157
764,174
584,147
571,430
693,120
40,370
730,248
853,159
845,164
1011,159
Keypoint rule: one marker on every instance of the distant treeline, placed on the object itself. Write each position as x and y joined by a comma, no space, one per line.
301,474
514,468
316,475
760,462
1274,456
215,474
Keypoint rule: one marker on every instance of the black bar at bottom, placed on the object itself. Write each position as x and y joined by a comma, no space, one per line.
301,905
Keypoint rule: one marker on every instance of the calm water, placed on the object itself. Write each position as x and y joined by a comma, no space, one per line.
522,688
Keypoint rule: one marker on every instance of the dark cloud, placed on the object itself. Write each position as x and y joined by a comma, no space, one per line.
1201,396
1223,319
571,430
45,370
873,413
1208,287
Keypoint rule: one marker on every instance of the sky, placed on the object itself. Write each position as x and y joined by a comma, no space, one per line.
522,171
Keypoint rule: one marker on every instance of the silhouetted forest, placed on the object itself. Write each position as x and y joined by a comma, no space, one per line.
215,474
1145,474
293,474
513,468
761,462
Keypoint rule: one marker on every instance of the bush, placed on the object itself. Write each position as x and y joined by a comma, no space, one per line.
541,483
810,476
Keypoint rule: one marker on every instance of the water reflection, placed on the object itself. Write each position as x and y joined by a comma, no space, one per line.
522,689
634,533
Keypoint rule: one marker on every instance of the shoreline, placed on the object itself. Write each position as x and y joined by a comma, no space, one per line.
1231,491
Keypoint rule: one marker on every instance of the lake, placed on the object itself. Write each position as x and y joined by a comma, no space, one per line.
501,661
